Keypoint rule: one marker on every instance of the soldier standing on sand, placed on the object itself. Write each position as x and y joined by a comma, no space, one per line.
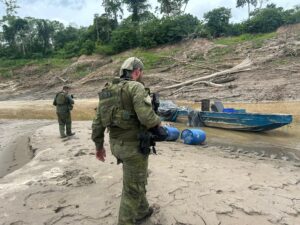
125,109
64,104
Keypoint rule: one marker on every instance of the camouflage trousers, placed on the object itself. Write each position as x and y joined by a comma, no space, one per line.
134,204
64,121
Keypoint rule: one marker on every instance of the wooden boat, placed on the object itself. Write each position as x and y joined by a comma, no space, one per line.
239,121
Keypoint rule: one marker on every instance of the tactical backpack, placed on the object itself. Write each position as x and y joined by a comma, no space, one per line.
61,98
111,107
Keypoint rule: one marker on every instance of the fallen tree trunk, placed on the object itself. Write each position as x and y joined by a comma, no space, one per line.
243,66
207,83
61,79
223,80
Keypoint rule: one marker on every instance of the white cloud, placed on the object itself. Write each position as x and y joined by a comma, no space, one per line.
80,12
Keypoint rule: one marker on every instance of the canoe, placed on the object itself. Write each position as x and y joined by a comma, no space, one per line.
239,121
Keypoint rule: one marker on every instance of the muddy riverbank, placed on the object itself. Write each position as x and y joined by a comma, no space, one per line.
15,149
65,184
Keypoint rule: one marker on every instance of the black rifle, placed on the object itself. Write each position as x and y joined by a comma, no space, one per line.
149,138
155,102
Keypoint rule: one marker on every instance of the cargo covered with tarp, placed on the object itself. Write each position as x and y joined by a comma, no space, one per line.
169,111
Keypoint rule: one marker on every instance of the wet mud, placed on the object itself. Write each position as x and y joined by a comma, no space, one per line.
15,148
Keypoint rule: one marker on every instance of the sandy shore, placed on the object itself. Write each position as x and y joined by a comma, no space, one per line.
189,185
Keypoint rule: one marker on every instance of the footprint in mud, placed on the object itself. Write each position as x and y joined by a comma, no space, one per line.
81,152
75,178
85,181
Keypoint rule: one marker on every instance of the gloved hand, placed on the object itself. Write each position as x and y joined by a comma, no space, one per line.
101,154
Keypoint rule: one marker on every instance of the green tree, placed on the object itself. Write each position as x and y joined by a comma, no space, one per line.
125,37
137,7
167,30
292,16
265,20
217,21
64,36
113,8
172,7
87,47
45,32
242,3
11,7
102,28
14,32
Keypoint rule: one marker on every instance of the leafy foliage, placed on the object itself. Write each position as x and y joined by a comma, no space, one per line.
172,7
167,30
292,16
31,38
11,7
102,28
265,20
113,8
137,7
218,21
125,37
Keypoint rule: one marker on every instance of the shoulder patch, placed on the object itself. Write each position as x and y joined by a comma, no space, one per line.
147,100
105,94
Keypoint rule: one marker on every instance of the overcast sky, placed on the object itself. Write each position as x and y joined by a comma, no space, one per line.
80,12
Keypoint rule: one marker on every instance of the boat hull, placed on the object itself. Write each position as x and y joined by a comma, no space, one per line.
243,121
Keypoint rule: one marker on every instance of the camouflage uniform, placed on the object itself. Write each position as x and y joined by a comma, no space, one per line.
133,115
64,104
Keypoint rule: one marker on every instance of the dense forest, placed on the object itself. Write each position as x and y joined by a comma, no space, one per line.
30,38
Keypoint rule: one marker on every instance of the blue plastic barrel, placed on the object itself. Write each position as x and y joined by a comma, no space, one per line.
173,133
228,110
193,136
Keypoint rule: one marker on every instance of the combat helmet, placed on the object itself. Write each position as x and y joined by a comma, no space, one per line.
130,64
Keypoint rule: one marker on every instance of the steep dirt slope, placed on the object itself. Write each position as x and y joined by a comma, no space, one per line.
274,72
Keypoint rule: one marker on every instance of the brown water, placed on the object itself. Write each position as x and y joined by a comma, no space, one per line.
280,143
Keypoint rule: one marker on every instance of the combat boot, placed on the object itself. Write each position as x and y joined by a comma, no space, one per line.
146,216
62,131
69,129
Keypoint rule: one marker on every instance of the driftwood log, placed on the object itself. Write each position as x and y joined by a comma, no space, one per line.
62,79
243,66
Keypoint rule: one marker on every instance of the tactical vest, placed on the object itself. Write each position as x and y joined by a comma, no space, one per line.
111,107
61,98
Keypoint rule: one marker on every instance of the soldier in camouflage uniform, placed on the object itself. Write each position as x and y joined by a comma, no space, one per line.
64,104
125,110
